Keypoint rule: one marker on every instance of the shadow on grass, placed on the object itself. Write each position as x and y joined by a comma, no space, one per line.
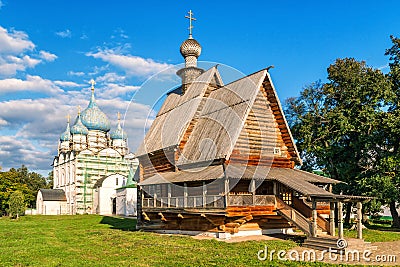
124,224
383,228
299,239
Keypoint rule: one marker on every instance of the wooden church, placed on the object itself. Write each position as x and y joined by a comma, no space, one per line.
219,159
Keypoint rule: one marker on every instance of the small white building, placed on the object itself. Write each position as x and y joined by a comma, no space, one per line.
105,194
51,202
126,202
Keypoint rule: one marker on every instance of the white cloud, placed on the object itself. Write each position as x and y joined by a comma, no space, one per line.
3,123
47,56
76,73
64,34
132,65
117,90
14,153
84,36
17,53
10,64
31,84
67,84
14,42
110,77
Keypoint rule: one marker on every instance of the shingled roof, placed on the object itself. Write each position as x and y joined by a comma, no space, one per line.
300,181
216,119
53,194
176,113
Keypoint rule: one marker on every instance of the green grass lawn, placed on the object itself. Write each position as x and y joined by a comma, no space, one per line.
376,233
92,240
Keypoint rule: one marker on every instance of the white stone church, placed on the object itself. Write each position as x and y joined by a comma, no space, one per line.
93,171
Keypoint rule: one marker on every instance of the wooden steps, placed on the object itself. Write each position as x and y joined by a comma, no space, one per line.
293,216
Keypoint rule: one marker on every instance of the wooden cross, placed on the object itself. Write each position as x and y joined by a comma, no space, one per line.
191,18
92,82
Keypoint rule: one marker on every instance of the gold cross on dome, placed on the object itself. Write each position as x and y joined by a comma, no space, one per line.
119,116
68,117
191,18
92,82
79,110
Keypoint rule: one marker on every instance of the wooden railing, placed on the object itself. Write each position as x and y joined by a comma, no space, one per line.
293,216
307,212
251,200
209,201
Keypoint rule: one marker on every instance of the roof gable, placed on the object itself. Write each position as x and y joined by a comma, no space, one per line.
210,122
176,113
221,120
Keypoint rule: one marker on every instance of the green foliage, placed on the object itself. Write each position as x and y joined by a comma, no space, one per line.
335,124
20,179
16,204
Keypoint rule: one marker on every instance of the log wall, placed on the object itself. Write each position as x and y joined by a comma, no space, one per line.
261,141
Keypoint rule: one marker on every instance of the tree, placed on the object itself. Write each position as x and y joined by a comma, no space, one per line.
50,180
20,179
16,204
337,124
392,122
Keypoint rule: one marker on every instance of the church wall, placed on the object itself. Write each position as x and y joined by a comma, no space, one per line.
107,194
127,201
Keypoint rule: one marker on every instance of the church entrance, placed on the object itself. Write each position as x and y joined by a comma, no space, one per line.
114,206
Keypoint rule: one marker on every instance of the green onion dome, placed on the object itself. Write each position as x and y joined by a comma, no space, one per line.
93,118
78,127
66,136
118,133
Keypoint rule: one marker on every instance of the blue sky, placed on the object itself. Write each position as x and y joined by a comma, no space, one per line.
49,50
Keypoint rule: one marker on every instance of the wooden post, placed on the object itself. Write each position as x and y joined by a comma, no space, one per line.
332,218
274,188
204,194
169,195
253,190
340,219
155,200
314,219
359,218
141,195
185,195
226,192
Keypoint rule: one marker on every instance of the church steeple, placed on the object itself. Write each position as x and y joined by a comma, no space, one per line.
190,50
